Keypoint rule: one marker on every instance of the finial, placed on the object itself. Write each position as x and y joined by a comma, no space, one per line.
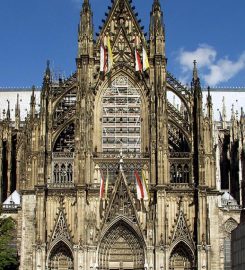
232,112
223,110
8,111
86,5
209,98
33,94
17,103
156,4
195,72
47,72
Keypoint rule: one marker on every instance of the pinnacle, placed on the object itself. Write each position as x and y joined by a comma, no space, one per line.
195,72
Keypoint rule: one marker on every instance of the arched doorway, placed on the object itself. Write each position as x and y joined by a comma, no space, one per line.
121,248
60,258
181,258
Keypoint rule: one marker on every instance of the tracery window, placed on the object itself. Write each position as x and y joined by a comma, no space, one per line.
179,173
121,118
63,157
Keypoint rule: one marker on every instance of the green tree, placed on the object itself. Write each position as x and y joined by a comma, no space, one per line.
8,251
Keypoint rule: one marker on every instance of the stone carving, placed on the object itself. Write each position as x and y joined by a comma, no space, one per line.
61,230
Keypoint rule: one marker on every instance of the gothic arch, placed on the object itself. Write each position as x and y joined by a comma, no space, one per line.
98,104
181,257
121,247
60,257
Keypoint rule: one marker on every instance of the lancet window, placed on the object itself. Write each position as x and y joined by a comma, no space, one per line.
121,118
63,157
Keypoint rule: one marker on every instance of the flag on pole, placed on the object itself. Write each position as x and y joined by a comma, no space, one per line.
103,55
141,188
145,184
110,55
102,185
145,60
138,64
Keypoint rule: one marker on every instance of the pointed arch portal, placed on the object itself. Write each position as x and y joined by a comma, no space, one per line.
181,258
121,248
60,257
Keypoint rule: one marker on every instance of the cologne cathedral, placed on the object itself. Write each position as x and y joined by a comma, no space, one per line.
110,173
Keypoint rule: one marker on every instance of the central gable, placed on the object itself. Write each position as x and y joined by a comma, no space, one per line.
121,25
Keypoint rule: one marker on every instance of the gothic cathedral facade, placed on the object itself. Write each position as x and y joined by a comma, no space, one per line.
109,126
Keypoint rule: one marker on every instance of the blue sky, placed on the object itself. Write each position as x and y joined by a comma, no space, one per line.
32,31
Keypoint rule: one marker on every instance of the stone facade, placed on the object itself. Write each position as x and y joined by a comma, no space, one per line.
91,123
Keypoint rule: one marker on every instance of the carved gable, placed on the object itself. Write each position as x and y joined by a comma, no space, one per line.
61,230
122,49
121,16
181,232
121,203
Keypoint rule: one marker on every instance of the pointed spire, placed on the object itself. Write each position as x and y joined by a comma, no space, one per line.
33,103
48,72
85,30
209,105
157,33
196,85
86,6
223,115
195,72
8,110
17,113
233,116
17,105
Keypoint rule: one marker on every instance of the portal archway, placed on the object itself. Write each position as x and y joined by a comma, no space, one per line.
181,258
121,248
61,257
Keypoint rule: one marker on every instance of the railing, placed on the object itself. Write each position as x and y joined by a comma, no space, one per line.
180,167
12,207
116,155
62,170
63,155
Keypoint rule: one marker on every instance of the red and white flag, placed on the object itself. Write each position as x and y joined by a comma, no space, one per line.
138,63
141,187
103,55
102,184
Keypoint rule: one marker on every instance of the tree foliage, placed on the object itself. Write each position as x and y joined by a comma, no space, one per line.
8,251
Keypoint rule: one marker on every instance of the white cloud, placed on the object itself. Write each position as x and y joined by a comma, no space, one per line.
224,70
205,55
212,70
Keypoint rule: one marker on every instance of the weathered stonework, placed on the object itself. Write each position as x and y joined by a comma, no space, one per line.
62,151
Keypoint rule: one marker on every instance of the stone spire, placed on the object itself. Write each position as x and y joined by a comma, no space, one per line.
195,71
17,113
196,86
223,114
85,30
8,111
47,71
209,105
157,33
33,103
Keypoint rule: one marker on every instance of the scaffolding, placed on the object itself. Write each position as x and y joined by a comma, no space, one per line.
121,119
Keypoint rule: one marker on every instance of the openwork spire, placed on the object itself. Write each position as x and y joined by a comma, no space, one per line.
157,33
85,30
